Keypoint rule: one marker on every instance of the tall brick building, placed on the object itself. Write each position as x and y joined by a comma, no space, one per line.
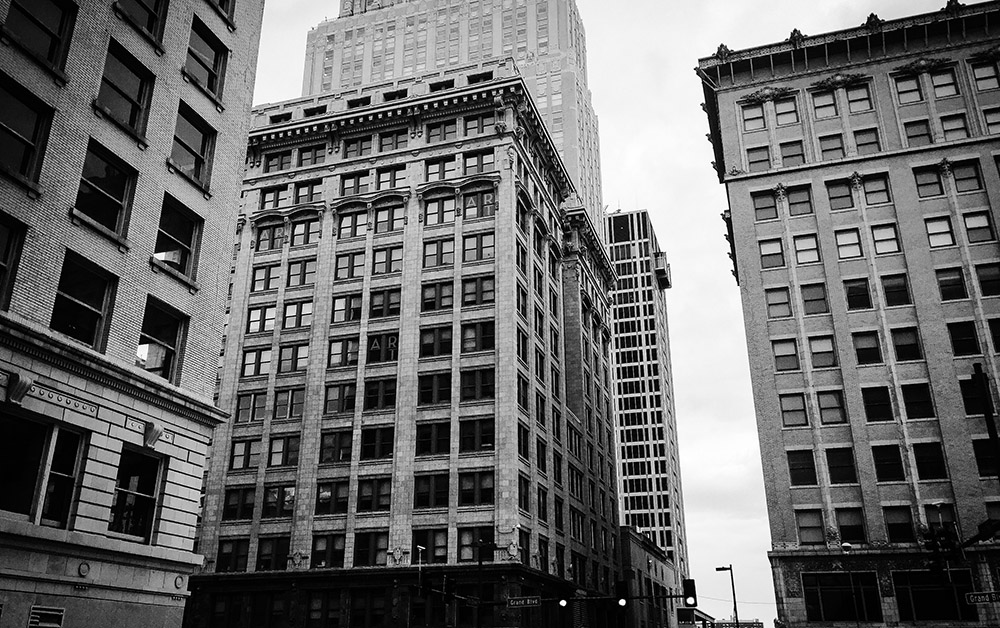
417,363
377,42
121,143
650,485
862,175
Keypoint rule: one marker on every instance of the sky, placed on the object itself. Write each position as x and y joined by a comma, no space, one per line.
655,156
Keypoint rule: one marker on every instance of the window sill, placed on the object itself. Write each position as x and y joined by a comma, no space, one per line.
444,405
225,17
79,217
202,187
127,537
8,38
201,87
152,39
430,510
159,266
102,112
31,187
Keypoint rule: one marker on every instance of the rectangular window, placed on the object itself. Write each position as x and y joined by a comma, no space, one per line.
389,178
160,339
349,265
474,543
967,176
477,336
269,237
293,358
434,388
918,133
896,290
778,303
357,147
312,155
824,104
343,352
475,488
954,127
478,247
193,143
802,468
256,362
824,354
786,357
477,163
986,460
925,595
297,314
992,119
851,523
374,494
867,141
906,342
284,451
479,205
876,189
917,401
439,169
989,279
177,236
442,131
848,244
105,193
939,232
125,89
433,439
273,162
42,27
347,308
793,410
859,98
327,551
133,508
985,76
806,249
477,384
884,239
24,123
339,398
301,273
929,459
233,555
840,195
279,501
393,140
430,491
476,435
307,192
978,227
83,301
206,58
436,296
799,201
908,89
944,83
771,254
866,347
148,15
764,205
878,404
244,454
370,550
858,294
785,111
250,407
841,596
380,394
964,340
753,117
288,404
388,219
951,284
355,183
814,299
792,153
810,526
383,347
239,503
831,147
840,463
898,524
758,159
439,253
388,260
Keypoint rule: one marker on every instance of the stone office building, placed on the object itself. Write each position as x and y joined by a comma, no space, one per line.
861,171
417,364
121,127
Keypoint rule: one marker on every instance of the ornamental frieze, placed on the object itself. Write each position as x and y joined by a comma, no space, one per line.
923,64
764,95
839,79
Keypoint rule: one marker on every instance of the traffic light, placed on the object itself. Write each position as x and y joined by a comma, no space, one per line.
621,592
689,593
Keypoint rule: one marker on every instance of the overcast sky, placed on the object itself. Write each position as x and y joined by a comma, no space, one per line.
655,156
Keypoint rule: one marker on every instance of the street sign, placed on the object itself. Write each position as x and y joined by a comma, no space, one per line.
524,602
983,597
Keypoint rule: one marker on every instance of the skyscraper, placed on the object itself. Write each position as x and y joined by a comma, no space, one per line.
861,171
375,43
121,142
650,476
417,362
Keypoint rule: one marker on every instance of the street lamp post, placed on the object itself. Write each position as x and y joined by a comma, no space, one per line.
732,582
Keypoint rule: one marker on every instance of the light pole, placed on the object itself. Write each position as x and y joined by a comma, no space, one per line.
732,582
846,548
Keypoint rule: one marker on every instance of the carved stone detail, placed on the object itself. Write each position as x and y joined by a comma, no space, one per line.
796,38
873,23
734,171
722,53
840,80
923,64
991,54
944,166
764,95
780,191
17,387
953,8
856,180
